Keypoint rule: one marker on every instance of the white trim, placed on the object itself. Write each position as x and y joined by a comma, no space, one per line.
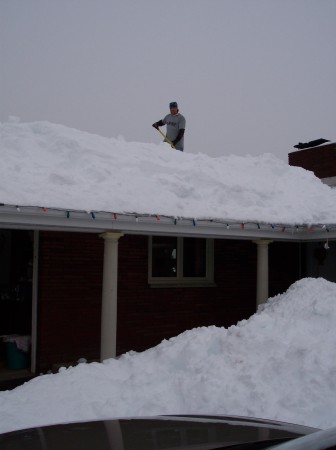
34,218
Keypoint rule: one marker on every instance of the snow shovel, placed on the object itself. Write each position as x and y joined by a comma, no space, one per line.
166,139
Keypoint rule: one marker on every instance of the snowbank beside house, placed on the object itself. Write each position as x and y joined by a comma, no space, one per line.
280,364
48,165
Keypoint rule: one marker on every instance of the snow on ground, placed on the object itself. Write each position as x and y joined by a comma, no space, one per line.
280,364
48,165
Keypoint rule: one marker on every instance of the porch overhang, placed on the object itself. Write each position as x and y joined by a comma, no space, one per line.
37,218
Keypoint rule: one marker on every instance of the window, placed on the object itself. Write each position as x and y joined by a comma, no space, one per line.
177,261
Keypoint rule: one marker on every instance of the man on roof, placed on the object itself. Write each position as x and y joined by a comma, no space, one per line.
175,123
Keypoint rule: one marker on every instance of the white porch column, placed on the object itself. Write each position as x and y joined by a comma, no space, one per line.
262,270
108,338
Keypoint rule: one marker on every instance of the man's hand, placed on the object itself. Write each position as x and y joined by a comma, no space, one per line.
158,124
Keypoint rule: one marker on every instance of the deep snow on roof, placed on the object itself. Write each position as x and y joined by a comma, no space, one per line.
49,165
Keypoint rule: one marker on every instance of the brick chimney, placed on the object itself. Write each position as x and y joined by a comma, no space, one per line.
321,160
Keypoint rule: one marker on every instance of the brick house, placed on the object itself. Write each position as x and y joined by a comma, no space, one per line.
96,287
67,275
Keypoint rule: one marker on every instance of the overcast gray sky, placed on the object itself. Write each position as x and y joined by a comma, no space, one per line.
250,76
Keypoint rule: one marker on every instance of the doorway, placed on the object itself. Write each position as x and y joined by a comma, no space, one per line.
16,285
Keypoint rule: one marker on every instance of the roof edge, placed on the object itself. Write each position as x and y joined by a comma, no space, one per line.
38,218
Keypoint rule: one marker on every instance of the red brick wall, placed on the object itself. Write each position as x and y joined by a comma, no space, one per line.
147,315
70,276
320,160
285,261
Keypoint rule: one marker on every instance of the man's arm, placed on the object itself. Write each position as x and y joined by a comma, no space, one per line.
179,136
158,124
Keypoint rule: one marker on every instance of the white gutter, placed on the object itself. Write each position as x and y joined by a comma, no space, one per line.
36,218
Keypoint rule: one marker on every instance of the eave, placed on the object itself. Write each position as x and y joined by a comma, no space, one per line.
37,218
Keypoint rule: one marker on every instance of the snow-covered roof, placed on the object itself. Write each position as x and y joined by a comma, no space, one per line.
53,173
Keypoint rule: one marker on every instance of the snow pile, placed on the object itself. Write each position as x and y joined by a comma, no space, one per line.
49,165
280,364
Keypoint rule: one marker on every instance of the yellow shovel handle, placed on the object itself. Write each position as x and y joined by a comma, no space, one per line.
166,139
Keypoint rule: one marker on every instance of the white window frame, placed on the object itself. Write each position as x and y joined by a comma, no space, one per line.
179,280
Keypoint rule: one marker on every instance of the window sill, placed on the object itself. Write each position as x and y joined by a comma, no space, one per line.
181,284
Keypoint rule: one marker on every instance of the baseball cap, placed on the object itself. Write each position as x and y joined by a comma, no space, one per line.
173,105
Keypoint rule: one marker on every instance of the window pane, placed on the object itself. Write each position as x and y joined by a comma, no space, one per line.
194,257
164,256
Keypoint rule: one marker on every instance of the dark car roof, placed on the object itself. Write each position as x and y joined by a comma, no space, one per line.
159,432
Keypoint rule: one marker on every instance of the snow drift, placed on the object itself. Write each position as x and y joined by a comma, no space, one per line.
279,365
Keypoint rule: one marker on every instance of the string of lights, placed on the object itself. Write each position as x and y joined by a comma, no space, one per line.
229,224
